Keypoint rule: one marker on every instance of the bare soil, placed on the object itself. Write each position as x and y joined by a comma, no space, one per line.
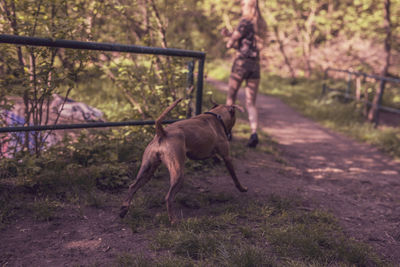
354,181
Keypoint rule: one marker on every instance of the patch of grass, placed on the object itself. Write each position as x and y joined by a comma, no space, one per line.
198,199
206,166
127,260
245,255
95,159
147,209
270,232
205,224
95,199
247,232
140,217
315,237
111,177
219,69
8,206
186,243
44,210
195,246
8,168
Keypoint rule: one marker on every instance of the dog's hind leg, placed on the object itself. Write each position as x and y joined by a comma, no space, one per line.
147,168
176,185
175,167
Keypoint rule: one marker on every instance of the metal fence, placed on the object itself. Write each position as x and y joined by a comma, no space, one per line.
109,47
347,91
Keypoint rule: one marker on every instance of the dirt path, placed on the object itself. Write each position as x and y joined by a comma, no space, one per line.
355,181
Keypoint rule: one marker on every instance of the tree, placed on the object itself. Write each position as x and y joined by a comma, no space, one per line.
374,111
33,73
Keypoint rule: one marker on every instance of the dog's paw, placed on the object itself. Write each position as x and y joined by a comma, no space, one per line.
123,211
243,189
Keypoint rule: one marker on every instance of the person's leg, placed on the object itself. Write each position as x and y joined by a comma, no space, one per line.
235,80
234,84
251,96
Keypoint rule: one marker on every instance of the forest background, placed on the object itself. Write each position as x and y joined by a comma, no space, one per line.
304,38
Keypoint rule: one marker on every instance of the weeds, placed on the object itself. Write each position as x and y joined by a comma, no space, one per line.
126,260
44,210
7,208
315,237
248,255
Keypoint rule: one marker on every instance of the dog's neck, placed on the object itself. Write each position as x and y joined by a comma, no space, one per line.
219,118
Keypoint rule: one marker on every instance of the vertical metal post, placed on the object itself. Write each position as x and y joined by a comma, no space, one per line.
199,94
190,77
190,87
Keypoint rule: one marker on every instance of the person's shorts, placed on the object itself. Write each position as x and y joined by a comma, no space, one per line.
246,68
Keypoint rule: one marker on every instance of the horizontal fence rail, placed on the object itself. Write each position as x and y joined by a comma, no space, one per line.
108,47
376,77
79,126
35,41
347,91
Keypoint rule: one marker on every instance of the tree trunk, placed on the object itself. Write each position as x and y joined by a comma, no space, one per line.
373,115
283,52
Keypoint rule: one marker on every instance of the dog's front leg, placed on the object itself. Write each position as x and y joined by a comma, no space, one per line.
229,166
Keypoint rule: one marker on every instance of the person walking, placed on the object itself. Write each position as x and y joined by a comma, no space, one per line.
247,39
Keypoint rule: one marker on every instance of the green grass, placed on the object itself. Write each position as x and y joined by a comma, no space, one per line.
126,260
274,232
218,69
44,210
9,205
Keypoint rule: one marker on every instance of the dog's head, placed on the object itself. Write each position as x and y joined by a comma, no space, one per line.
228,113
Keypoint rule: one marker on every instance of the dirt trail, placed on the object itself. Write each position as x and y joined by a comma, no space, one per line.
355,181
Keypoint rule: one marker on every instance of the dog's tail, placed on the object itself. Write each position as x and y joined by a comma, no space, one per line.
159,129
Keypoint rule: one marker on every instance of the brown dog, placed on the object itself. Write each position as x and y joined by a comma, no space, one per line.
197,138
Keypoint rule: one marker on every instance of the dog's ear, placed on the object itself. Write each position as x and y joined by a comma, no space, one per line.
213,102
240,108
233,108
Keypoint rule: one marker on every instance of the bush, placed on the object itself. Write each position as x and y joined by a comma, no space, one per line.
111,177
